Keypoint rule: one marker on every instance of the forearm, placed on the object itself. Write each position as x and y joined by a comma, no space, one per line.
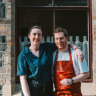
24,85
81,77
76,79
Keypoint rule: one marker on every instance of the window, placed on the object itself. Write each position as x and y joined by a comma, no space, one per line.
1,86
71,2
2,10
74,15
31,3
3,45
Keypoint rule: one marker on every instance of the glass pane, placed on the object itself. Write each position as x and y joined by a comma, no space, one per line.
29,17
71,2
2,39
76,22
2,10
0,63
34,3
1,90
0,55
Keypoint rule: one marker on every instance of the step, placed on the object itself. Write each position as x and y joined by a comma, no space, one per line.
18,90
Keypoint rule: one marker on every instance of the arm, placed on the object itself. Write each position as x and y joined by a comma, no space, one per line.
76,79
51,47
81,77
24,85
22,73
78,52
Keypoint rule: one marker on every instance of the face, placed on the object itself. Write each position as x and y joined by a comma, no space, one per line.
60,40
35,36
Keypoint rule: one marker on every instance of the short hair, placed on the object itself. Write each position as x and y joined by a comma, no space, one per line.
34,27
60,29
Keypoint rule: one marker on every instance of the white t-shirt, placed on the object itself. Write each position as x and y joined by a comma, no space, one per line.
79,67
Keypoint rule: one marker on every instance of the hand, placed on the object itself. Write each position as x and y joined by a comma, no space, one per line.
66,82
79,54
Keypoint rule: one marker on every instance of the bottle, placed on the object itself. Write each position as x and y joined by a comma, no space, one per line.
85,48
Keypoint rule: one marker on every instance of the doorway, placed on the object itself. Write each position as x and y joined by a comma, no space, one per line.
49,17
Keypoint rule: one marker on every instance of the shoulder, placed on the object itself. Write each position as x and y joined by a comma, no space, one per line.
74,56
24,51
72,51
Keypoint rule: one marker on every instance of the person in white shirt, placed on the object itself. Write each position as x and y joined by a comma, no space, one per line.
69,71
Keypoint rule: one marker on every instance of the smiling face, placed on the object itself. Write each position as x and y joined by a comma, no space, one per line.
60,40
35,36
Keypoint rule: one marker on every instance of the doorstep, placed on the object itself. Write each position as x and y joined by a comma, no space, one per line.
18,90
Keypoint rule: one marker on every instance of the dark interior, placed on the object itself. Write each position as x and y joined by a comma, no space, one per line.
75,21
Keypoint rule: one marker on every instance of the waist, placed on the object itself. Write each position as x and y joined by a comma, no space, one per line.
38,82
41,76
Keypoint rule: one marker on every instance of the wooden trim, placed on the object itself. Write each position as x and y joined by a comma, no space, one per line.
53,19
54,7
90,41
90,79
52,1
16,39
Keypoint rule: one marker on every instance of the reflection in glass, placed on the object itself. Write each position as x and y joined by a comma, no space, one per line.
35,2
71,2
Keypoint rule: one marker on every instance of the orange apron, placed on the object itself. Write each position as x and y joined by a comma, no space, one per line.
65,70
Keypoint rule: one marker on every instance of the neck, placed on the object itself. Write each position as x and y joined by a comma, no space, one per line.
34,47
63,49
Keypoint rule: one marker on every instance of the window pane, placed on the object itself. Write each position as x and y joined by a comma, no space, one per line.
76,22
35,3
31,17
71,2
2,10
0,63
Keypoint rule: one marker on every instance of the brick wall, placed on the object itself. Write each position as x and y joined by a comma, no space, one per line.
89,89
7,30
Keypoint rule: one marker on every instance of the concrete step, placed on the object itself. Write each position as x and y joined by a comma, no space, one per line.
18,90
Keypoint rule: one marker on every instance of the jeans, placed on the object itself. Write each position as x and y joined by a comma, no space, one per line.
40,88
